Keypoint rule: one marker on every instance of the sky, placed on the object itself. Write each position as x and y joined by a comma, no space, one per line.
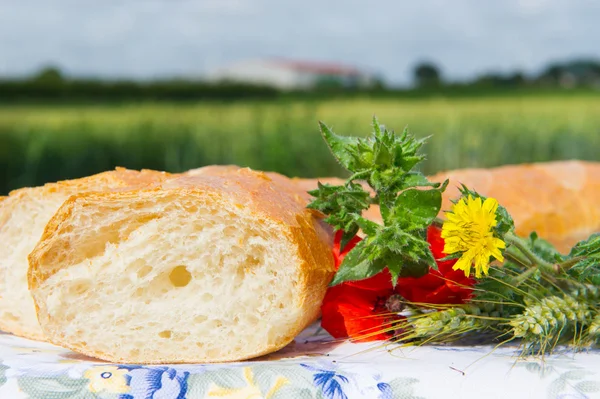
165,38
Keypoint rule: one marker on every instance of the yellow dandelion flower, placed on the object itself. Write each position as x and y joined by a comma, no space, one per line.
107,379
468,229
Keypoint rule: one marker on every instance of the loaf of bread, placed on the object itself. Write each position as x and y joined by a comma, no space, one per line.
23,217
219,264
558,200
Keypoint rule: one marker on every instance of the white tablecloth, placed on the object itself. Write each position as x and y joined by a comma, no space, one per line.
314,366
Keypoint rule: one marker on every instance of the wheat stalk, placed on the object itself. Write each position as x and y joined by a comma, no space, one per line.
553,318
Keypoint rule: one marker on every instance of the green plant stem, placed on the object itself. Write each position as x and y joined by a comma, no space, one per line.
566,265
521,278
535,260
516,257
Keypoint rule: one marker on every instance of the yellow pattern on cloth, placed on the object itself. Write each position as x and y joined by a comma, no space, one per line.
250,391
107,379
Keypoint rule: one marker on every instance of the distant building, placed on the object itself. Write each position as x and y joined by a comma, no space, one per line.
290,75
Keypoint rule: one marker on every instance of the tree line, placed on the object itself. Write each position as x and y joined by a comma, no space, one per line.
50,84
579,73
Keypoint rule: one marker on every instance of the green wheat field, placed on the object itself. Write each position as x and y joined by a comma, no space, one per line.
42,143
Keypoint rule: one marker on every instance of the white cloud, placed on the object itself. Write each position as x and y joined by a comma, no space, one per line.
146,38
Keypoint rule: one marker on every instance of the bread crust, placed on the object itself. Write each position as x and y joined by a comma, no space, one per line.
268,196
117,180
120,178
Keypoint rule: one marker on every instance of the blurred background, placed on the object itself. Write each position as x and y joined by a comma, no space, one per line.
176,84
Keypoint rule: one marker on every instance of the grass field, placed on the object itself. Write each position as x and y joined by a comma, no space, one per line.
40,143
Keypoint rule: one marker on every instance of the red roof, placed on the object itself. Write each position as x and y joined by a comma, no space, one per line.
318,67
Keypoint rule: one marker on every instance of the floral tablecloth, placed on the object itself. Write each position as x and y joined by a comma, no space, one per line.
312,367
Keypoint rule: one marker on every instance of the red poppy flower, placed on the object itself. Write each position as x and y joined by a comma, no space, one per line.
358,309
349,311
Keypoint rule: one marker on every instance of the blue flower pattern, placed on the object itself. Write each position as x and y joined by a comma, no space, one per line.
147,382
329,382
156,383
386,391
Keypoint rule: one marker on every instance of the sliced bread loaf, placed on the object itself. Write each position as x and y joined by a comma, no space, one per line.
220,265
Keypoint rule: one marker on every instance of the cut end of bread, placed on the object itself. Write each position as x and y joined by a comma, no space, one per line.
23,218
175,276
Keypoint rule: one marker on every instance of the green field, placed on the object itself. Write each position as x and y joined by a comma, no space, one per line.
40,143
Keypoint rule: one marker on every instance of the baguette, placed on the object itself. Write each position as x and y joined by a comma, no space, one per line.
218,264
558,200
23,216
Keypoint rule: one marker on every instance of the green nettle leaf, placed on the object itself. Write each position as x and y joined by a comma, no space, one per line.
380,181
351,196
423,205
395,242
368,227
395,267
586,255
342,204
383,156
357,265
410,147
384,210
588,248
351,152
385,161
414,269
417,179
